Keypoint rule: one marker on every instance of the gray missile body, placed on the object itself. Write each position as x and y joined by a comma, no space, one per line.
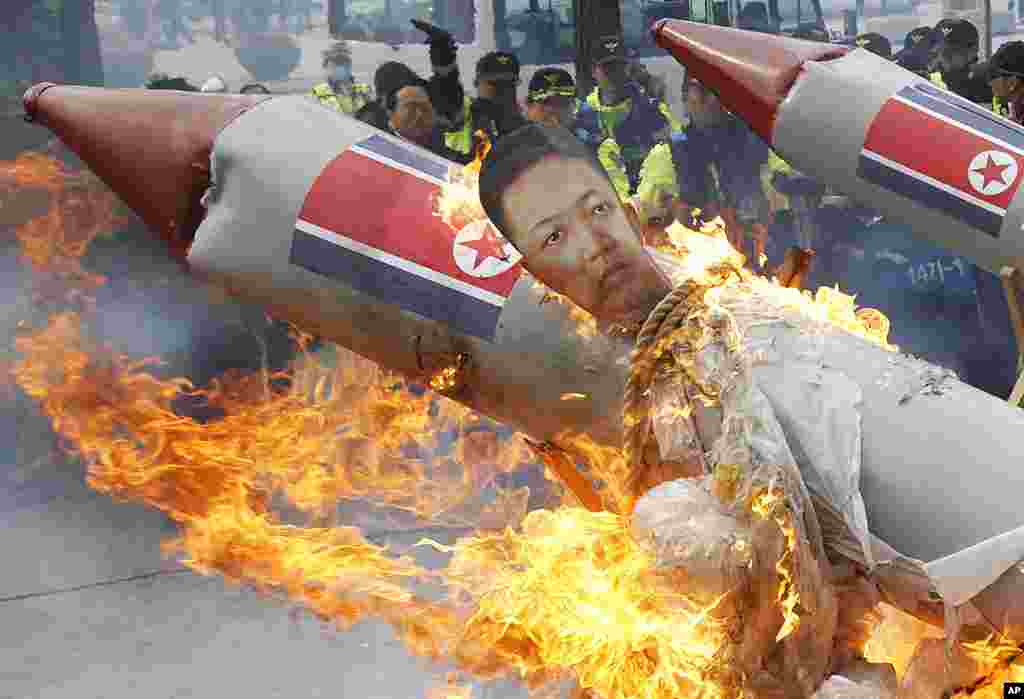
940,473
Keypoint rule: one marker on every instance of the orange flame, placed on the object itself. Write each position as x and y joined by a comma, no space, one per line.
574,592
216,480
480,152
458,204
77,209
769,504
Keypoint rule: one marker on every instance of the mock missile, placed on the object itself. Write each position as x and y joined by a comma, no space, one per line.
331,224
942,165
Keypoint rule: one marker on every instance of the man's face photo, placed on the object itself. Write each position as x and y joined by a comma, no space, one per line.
566,220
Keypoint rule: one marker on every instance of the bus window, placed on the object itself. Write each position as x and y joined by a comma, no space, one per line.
544,31
757,15
672,9
786,15
634,25
721,13
457,16
699,10
637,18
388,20
793,13
565,15
536,32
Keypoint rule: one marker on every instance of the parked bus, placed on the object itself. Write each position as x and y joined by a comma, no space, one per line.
540,32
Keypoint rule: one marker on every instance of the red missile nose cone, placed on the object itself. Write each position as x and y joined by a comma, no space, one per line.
152,147
752,72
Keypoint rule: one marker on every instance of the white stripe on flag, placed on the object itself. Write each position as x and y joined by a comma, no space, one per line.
959,125
960,194
383,160
400,263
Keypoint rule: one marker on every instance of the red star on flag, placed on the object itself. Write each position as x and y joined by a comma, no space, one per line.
487,245
992,172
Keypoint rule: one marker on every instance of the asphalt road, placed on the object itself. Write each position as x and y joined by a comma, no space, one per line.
89,609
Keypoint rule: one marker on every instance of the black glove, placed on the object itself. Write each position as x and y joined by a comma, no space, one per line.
442,43
442,50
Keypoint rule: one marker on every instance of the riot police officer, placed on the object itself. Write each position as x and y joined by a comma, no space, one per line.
340,91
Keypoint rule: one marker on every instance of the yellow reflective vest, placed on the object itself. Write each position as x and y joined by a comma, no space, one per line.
777,201
996,107
461,140
675,124
658,181
1000,108
610,156
348,103
609,153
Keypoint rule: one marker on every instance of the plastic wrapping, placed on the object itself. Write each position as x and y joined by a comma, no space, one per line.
685,524
751,437
673,421
824,418
742,529
819,408
720,555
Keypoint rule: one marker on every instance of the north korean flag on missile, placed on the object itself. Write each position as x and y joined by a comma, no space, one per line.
945,153
369,222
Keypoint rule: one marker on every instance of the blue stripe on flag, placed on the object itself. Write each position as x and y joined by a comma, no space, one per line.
463,313
932,197
406,155
964,112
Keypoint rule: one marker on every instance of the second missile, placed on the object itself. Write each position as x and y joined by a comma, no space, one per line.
946,167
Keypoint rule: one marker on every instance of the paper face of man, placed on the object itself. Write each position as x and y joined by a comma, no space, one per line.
565,218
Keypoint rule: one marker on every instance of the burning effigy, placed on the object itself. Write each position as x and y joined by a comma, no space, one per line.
756,574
